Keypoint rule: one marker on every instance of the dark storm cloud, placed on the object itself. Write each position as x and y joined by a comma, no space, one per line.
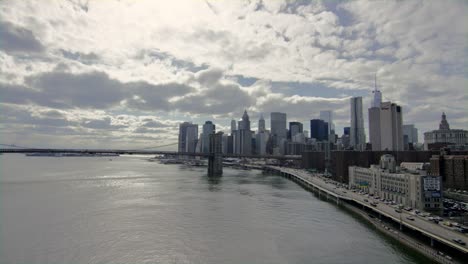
17,39
88,90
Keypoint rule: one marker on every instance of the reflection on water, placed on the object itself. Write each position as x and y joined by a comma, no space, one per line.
90,210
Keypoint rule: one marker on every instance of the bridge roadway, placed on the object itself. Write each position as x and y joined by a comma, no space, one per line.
146,152
437,232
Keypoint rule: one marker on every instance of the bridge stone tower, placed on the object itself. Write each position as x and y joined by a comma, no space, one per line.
215,160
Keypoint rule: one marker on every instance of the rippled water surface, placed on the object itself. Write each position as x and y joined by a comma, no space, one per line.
129,210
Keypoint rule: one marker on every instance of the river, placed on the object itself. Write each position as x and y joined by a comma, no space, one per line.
128,210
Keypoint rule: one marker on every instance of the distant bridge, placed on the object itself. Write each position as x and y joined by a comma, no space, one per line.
144,152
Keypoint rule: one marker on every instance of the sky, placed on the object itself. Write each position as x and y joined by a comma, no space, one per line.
124,74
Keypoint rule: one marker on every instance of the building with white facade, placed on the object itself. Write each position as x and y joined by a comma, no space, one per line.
408,185
386,127
445,136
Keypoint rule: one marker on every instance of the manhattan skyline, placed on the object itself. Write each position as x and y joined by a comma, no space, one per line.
126,74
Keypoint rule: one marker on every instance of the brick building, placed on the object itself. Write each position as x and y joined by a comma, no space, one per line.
452,168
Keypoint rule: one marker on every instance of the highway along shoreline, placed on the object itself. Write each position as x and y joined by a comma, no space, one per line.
406,237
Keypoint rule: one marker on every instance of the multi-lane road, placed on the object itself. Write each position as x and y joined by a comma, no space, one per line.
438,232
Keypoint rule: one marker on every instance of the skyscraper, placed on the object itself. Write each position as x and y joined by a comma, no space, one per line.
243,136
319,129
191,138
295,128
386,127
208,128
411,132
357,134
182,146
391,127
374,128
377,95
278,127
233,126
327,116
261,124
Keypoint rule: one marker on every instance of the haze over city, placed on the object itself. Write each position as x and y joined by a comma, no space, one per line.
125,74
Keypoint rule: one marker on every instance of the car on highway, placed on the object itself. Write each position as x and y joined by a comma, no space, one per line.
410,218
398,211
459,241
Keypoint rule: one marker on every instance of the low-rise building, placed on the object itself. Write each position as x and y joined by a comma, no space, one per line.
408,185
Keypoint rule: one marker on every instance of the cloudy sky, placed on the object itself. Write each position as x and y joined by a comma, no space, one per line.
124,74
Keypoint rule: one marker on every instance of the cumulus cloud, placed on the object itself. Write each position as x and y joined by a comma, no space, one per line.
14,38
298,57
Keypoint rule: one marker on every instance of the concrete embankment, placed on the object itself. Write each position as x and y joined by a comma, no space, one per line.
406,240
385,228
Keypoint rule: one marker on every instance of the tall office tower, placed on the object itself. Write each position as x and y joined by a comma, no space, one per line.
327,116
208,129
411,133
377,95
357,134
295,128
191,138
319,129
346,130
183,136
261,124
261,140
391,127
374,128
243,136
278,127
233,126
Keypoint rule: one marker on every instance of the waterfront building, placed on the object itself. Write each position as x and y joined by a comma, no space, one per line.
208,129
357,134
184,139
408,185
191,138
445,136
319,129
